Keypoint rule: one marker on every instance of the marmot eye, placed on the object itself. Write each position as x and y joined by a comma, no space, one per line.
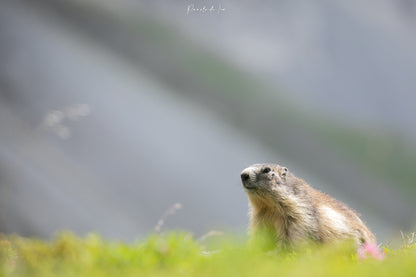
266,170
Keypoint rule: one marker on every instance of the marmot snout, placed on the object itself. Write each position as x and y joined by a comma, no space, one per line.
293,211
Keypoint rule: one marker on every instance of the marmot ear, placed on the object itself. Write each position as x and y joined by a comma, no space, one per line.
283,171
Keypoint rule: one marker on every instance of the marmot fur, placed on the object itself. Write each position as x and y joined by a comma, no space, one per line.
292,211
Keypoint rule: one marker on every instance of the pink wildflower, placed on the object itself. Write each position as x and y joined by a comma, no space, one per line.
370,250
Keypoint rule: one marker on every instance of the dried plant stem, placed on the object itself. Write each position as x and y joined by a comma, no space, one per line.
171,211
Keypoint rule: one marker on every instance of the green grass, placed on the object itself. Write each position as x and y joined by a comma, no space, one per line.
179,254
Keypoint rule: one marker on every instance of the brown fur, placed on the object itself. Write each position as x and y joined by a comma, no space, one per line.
292,211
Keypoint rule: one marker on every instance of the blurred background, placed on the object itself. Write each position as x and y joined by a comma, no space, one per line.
113,111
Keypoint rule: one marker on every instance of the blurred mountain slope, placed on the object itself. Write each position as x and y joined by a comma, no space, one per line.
244,100
141,149
346,159
352,60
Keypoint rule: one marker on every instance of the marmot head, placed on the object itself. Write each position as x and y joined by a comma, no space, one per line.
266,181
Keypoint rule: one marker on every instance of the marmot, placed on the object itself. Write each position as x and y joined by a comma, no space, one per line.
292,211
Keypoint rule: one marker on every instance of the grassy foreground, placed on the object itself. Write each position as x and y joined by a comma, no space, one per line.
179,254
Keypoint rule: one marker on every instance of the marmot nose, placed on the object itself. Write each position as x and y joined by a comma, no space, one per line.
245,177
